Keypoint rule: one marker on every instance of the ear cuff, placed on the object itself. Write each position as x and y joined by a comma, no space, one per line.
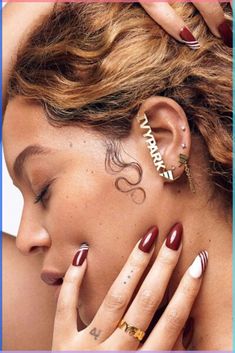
157,157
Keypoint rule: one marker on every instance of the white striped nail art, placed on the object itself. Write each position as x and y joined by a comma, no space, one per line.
188,38
84,246
199,264
192,44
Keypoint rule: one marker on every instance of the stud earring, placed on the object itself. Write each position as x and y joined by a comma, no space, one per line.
154,150
183,128
183,145
184,161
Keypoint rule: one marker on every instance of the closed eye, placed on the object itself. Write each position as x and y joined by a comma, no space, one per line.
41,195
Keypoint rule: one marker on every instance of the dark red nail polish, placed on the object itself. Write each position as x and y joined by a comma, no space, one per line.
226,33
173,239
188,332
189,38
80,255
148,240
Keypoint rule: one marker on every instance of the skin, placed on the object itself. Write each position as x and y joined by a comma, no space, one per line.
26,15
80,182
26,300
22,288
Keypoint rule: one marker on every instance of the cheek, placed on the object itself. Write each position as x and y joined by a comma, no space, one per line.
90,209
89,204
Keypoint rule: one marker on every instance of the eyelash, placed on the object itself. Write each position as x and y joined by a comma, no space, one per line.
41,195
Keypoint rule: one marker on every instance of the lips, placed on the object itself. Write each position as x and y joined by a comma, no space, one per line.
52,278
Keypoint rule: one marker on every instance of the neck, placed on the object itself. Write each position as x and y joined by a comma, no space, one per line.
212,311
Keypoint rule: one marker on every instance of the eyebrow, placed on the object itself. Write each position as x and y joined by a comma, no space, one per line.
32,150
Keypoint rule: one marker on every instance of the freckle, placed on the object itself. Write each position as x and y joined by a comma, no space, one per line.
128,276
92,171
132,271
124,282
179,191
70,144
209,240
84,141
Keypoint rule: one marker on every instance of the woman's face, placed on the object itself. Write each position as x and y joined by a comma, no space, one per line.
81,203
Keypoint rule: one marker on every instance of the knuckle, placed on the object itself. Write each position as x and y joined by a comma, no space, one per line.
115,301
62,308
166,259
214,11
137,261
147,300
174,320
188,291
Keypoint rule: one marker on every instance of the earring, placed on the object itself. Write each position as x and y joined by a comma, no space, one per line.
154,151
184,161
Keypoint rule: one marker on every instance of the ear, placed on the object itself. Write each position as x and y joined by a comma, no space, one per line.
170,129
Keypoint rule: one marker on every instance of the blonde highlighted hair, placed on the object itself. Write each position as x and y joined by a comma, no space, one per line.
93,64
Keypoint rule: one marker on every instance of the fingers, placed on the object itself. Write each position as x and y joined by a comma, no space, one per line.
151,292
170,325
120,293
66,311
171,22
213,14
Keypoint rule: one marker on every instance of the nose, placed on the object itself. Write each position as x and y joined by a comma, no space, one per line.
32,236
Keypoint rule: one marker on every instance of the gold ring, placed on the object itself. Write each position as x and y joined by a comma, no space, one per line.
131,330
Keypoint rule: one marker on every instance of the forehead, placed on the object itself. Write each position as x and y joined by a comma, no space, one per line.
25,124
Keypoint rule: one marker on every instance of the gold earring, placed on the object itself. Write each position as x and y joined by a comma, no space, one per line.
184,161
154,151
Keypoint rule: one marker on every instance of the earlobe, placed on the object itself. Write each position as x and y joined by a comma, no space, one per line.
165,128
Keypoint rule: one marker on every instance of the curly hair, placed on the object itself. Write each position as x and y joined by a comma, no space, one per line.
93,64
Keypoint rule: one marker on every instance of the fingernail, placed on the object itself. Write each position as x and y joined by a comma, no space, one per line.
189,38
199,265
226,33
188,332
148,240
80,255
173,239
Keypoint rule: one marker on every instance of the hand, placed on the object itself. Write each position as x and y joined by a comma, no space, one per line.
172,23
103,333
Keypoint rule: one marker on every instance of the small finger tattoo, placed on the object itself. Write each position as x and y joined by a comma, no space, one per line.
95,332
